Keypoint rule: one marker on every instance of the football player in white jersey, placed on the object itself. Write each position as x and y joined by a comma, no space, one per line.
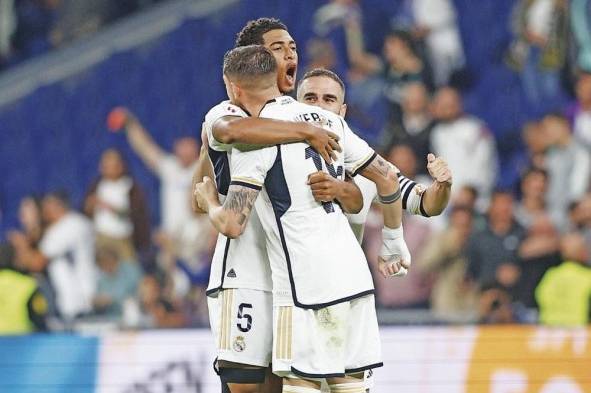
325,342
239,292
225,125
324,88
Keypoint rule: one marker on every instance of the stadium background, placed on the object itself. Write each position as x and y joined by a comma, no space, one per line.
162,59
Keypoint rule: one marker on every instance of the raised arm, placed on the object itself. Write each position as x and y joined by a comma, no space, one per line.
231,217
394,256
142,143
436,197
243,133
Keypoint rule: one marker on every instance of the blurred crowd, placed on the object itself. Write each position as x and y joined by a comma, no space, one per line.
32,27
518,254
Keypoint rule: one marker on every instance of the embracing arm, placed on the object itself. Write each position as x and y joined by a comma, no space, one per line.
243,133
230,218
326,188
204,168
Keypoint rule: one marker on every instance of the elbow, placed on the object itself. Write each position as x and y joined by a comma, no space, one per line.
232,230
434,212
227,133
353,208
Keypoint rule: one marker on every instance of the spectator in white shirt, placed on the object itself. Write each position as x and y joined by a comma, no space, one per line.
569,167
68,247
580,112
434,22
118,208
466,143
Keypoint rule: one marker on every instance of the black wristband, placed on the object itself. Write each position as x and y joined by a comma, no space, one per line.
388,199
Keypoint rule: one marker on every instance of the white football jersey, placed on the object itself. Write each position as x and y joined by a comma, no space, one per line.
411,195
242,262
315,259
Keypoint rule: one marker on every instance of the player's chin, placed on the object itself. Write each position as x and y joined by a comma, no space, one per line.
287,85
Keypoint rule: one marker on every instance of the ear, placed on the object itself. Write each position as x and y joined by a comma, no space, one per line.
343,110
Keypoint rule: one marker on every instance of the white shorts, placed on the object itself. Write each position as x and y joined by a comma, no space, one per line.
329,342
242,327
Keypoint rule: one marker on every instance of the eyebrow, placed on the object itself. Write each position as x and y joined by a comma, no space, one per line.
309,95
281,43
330,96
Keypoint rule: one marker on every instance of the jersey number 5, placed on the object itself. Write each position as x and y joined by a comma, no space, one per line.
317,159
244,320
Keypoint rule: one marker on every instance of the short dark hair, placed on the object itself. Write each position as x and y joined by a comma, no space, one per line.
249,63
252,33
316,72
61,196
532,170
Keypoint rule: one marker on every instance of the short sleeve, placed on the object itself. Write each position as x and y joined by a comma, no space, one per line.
358,154
54,244
219,111
249,168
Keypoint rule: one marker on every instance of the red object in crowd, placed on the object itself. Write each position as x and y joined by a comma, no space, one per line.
116,119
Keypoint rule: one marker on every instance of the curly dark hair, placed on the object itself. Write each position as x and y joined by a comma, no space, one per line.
252,33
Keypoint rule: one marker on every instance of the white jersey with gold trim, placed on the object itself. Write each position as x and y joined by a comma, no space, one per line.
315,258
243,262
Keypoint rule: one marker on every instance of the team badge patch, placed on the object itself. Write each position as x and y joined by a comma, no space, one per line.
239,344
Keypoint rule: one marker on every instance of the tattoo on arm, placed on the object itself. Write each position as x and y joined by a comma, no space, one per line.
380,167
240,201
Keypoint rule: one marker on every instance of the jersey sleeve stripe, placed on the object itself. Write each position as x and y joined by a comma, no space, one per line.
364,163
244,182
422,208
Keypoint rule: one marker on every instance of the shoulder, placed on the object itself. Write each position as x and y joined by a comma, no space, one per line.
224,108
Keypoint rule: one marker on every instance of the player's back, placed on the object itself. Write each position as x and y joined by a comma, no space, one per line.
241,262
315,258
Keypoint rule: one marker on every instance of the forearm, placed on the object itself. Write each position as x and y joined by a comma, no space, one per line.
245,132
350,197
436,198
204,168
230,218
143,144
383,174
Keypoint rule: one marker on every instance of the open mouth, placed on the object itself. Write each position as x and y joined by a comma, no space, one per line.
290,73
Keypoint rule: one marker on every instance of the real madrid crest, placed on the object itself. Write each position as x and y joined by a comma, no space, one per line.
239,344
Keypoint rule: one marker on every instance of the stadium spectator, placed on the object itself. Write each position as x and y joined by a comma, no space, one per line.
23,306
564,293
580,218
495,306
26,240
580,19
68,247
536,145
175,172
568,165
538,252
532,203
156,310
580,112
453,297
466,144
117,282
539,48
35,20
415,125
117,205
321,54
7,27
433,23
497,244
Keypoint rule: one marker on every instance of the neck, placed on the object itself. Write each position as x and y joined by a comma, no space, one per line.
533,203
254,101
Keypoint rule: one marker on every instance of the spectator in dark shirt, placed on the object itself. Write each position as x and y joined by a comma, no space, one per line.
498,243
